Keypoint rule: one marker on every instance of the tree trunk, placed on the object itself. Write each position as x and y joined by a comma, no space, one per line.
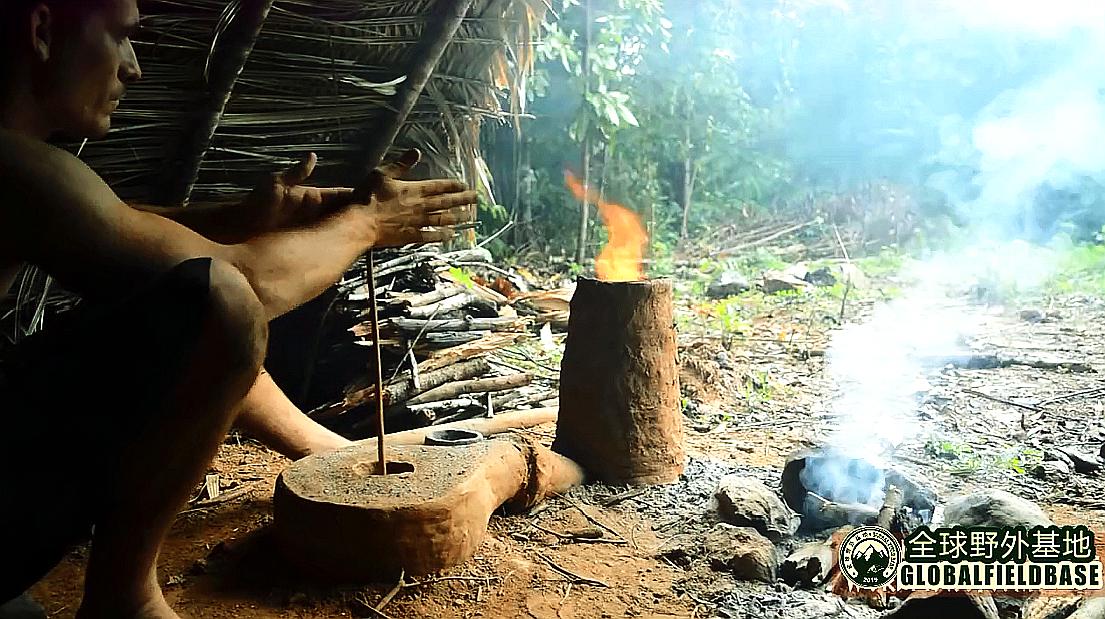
441,25
688,177
183,160
584,213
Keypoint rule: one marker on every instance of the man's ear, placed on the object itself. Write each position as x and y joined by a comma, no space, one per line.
41,24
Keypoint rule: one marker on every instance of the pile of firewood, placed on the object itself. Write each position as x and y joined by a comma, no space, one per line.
453,330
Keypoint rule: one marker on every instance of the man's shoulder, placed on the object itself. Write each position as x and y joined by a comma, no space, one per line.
21,154
38,171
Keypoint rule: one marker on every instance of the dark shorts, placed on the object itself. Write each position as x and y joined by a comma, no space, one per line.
72,398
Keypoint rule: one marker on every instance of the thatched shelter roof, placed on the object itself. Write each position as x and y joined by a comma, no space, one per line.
320,77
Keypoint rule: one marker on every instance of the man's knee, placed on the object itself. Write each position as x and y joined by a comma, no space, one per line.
233,315
238,315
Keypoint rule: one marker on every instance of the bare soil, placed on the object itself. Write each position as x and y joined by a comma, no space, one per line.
752,399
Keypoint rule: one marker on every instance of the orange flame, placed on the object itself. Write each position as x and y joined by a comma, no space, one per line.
622,258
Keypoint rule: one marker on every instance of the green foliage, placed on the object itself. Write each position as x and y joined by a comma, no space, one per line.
758,387
1081,269
671,121
886,263
462,277
948,450
967,462
1019,460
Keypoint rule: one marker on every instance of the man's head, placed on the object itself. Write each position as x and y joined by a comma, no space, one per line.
67,63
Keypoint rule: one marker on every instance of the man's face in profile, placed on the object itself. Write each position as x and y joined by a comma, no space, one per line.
89,64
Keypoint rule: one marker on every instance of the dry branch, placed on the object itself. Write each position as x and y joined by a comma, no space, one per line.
441,307
486,385
413,325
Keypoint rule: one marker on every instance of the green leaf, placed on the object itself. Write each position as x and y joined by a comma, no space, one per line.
628,116
462,278
612,114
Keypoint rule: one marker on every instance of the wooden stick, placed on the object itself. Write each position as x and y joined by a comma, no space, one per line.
576,577
994,398
399,392
391,594
498,424
415,325
453,390
766,239
235,44
428,298
890,505
379,363
449,304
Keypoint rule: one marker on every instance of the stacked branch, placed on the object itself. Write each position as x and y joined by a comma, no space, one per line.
444,336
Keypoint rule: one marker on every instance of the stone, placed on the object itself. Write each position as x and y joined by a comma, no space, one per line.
729,284
821,277
777,281
1049,607
928,604
809,565
1032,315
742,551
1051,469
994,508
1083,463
851,274
1091,608
747,502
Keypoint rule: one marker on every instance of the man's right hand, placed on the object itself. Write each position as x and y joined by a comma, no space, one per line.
402,209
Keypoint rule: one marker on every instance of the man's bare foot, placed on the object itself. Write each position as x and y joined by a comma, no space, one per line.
151,609
325,442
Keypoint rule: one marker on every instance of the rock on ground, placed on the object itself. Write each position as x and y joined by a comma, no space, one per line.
1092,608
741,551
747,502
995,508
730,284
928,604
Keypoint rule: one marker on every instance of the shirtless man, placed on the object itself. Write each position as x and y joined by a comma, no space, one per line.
112,418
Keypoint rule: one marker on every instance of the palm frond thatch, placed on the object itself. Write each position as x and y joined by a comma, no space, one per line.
317,79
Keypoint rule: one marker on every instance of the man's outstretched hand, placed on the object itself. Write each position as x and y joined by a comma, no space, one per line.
402,209
282,201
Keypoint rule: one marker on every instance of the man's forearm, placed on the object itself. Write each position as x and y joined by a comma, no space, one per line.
221,223
290,267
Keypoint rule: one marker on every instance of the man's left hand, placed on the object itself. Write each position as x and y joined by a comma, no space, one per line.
282,201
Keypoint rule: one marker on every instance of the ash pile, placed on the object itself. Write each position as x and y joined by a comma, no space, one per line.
755,544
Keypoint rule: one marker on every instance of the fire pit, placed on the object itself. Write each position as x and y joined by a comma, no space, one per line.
831,488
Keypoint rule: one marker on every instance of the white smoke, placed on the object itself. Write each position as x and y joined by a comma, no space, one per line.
1048,132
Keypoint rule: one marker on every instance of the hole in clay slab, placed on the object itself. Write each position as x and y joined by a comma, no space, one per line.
398,468
453,437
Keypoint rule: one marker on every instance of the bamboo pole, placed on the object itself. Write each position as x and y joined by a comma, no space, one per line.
441,26
232,50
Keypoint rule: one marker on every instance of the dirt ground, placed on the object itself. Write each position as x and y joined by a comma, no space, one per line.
753,397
